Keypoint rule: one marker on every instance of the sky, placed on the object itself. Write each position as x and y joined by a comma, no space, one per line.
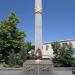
58,18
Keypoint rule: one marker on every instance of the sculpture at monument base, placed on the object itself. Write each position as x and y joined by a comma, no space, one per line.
38,53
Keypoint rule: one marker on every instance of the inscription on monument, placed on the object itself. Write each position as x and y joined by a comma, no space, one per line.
44,68
41,68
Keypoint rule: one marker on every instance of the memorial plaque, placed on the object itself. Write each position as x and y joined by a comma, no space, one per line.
29,70
46,70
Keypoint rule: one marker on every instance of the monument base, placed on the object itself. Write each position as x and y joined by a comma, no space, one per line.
38,67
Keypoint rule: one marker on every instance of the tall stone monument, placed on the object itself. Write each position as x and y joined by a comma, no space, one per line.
38,66
38,29
38,24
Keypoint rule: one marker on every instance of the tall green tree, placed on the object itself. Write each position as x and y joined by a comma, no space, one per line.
62,54
11,38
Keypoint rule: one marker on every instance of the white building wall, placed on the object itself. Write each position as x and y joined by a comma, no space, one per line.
73,43
49,53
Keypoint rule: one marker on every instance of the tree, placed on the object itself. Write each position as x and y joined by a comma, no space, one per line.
30,50
11,38
62,54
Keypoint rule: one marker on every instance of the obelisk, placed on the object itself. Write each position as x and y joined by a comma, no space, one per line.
38,24
38,66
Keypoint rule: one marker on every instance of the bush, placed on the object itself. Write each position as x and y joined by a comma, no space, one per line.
73,62
62,54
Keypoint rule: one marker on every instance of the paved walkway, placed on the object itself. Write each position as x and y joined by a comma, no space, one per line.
21,73
10,72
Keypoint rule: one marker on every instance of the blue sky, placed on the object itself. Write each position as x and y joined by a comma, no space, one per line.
58,18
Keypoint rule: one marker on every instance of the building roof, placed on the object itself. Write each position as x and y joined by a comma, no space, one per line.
67,40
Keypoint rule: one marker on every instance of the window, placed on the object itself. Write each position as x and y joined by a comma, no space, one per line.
64,44
47,47
73,51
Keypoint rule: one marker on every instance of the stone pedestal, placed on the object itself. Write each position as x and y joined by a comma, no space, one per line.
38,67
